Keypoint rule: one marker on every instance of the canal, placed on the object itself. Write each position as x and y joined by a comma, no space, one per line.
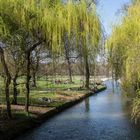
104,116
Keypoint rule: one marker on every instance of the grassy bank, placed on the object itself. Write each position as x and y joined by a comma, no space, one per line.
62,96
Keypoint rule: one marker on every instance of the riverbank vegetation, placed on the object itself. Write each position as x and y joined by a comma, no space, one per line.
124,54
41,40
49,57
46,100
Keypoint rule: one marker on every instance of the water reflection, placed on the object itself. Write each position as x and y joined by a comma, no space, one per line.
87,107
101,117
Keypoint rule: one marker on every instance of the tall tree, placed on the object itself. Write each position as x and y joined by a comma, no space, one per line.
7,80
35,22
124,50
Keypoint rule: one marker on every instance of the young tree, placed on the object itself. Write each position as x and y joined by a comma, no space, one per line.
35,60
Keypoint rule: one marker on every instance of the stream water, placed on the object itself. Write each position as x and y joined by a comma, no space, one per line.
104,116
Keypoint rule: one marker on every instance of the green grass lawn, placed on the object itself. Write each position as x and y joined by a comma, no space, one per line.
59,94
46,89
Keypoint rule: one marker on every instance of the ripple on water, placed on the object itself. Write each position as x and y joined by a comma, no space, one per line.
101,117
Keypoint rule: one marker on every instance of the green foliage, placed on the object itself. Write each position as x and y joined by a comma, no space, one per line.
124,50
33,17
24,23
124,44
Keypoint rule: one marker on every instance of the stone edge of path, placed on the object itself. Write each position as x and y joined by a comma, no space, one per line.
31,123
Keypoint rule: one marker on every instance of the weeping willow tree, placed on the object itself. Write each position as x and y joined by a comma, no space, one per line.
43,24
86,26
124,49
3,34
35,23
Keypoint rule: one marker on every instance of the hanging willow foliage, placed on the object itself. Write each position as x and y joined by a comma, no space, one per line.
47,21
124,46
51,21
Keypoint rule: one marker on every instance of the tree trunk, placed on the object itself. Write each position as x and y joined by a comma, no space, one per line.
67,52
69,69
28,63
35,70
87,72
7,83
138,84
28,76
34,79
15,90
